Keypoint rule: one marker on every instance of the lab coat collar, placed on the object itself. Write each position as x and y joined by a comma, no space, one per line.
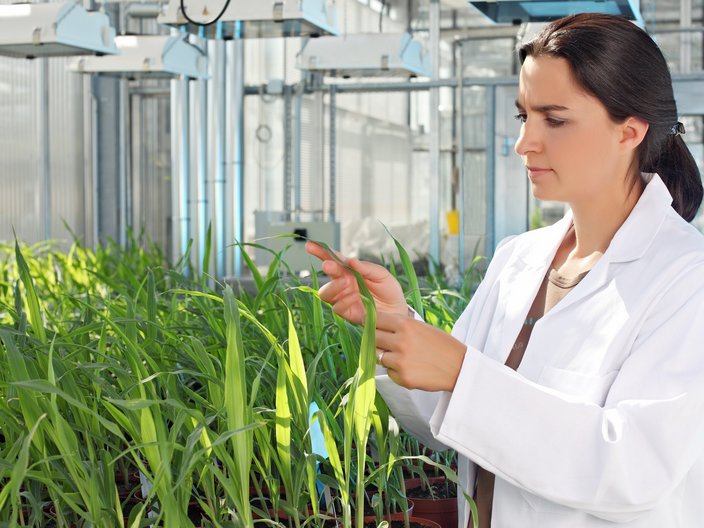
638,231
631,240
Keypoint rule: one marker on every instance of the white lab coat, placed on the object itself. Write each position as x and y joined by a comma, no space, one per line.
603,422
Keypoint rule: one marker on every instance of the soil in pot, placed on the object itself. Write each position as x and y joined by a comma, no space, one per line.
437,502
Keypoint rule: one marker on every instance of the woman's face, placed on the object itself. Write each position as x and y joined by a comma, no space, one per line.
568,143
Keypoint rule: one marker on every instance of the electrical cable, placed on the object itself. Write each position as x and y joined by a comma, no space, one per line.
204,24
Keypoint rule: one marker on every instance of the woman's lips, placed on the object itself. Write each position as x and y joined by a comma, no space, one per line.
537,171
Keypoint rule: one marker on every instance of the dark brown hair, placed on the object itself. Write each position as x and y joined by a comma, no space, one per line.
619,64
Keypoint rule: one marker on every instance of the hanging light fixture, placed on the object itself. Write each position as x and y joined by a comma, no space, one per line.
517,12
252,18
54,30
148,56
366,55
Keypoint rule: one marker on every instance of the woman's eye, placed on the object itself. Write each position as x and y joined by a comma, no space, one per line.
554,123
520,117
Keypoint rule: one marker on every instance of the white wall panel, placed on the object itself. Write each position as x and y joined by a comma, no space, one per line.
18,162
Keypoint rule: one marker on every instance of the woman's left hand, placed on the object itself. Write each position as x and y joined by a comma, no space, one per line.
417,355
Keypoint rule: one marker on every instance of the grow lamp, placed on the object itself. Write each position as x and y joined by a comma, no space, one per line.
365,55
148,56
512,11
252,18
53,30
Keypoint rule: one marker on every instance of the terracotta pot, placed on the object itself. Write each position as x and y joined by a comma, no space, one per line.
442,511
369,519
397,516
417,521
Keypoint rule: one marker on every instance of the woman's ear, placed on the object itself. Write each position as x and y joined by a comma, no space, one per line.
633,131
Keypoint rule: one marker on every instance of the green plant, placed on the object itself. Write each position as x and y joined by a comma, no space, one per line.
135,392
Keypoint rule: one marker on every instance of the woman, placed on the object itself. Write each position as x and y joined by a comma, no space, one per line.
572,386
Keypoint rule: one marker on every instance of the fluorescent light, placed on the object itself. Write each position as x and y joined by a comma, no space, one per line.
513,11
364,55
15,11
252,18
54,29
148,56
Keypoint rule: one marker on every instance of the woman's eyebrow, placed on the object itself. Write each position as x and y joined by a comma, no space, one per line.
543,109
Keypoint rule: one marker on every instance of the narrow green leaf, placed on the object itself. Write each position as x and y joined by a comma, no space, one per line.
205,269
283,424
35,313
298,370
238,413
29,402
19,469
407,265
151,306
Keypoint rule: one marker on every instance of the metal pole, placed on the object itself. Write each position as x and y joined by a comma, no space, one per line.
219,192
237,143
90,161
434,187
129,173
185,164
288,151
201,186
318,181
333,154
175,170
297,154
490,168
405,86
123,138
43,146
137,159
441,83
461,158
685,37
395,86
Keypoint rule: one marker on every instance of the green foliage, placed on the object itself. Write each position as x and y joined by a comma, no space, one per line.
536,219
135,393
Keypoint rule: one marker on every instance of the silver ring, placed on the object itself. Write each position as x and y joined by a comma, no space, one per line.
379,355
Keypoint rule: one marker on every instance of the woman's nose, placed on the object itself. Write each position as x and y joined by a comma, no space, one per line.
528,140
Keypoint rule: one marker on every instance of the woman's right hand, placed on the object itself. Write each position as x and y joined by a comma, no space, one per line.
342,291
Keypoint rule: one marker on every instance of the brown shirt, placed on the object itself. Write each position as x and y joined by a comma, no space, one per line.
554,288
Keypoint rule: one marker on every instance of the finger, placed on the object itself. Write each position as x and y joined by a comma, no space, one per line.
368,270
318,251
334,269
386,340
351,308
389,322
331,291
388,359
393,375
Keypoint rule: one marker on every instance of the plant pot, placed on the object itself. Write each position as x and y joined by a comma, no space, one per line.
442,510
396,516
414,522
370,520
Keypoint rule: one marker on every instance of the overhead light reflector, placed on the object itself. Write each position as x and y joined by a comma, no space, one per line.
54,30
365,55
516,12
252,18
148,56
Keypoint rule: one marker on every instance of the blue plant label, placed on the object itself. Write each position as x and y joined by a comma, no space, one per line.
316,433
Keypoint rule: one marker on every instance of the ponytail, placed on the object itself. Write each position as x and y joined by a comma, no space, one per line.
680,173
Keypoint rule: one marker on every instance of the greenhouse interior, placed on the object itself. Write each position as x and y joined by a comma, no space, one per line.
169,355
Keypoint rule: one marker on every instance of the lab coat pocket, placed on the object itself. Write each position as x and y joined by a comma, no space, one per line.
586,387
